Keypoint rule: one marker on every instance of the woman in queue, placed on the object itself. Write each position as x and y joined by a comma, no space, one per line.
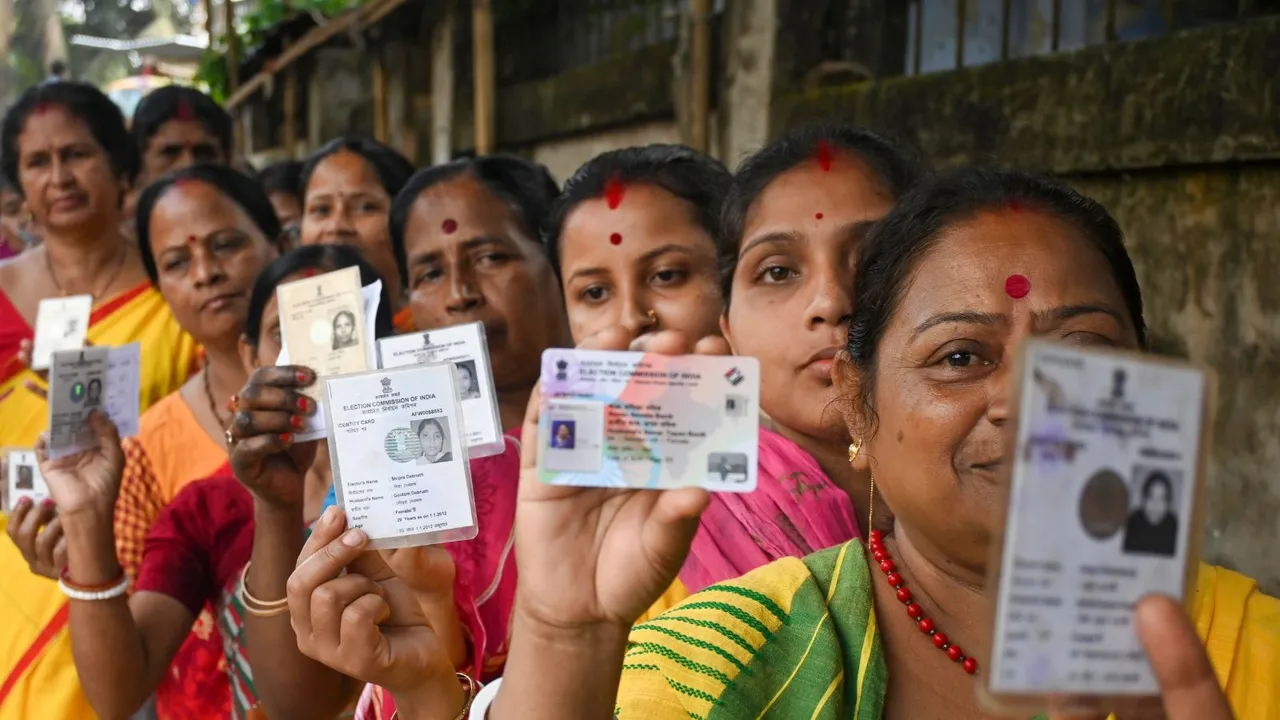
467,235
932,336
347,187
198,547
205,235
66,146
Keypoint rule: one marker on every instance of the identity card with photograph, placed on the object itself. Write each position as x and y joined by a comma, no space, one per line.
101,378
400,464
323,326
649,421
464,347
24,480
61,324
1103,505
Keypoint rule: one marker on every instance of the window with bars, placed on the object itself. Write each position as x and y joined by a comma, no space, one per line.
947,34
885,38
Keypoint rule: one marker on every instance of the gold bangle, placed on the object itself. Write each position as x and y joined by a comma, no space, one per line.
473,687
254,606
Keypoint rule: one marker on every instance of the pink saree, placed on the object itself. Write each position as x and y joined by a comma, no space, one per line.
794,511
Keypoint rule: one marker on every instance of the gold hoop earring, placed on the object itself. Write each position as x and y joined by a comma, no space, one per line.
855,447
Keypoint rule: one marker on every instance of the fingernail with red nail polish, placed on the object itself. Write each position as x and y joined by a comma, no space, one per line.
296,422
48,502
286,438
302,377
24,501
303,404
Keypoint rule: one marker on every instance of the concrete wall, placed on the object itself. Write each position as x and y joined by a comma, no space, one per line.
1180,138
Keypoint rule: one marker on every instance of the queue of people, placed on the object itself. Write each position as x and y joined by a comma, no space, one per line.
882,436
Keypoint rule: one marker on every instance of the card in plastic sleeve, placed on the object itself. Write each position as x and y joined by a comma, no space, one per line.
401,469
1106,474
466,347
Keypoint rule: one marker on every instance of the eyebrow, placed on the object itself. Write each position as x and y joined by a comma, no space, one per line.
467,245
647,257
974,317
856,230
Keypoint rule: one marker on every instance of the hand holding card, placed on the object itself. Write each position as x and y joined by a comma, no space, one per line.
264,455
87,481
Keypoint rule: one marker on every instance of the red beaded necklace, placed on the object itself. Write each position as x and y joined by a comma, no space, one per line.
881,555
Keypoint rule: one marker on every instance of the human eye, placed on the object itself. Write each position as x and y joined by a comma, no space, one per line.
594,294
428,275
669,276
774,274
491,260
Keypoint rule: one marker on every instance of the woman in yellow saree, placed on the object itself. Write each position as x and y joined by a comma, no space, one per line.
66,146
892,629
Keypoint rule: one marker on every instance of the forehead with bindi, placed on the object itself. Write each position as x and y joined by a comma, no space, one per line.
644,219
1018,272
344,173
457,210
191,210
820,196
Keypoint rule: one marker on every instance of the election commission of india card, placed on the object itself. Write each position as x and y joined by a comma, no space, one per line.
399,456
464,347
643,420
1103,510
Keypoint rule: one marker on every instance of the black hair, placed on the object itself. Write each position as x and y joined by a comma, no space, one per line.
84,102
241,189
1160,478
525,186
322,258
282,177
897,244
689,175
392,168
174,102
897,166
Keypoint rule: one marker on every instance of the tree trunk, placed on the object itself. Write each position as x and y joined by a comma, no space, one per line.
55,40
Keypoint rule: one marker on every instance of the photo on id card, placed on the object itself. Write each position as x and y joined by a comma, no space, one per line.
322,322
643,420
23,479
61,324
1103,509
466,349
401,470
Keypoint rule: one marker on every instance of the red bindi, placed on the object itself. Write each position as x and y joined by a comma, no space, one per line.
1017,286
41,108
823,155
817,216
449,226
616,238
191,239
613,192
1014,206
185,113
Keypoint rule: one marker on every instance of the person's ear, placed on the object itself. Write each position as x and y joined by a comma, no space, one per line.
724,329
848,383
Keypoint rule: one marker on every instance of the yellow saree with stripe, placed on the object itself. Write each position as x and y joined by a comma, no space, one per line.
798,639
37,672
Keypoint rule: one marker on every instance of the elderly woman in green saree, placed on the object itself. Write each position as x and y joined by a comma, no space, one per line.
893,629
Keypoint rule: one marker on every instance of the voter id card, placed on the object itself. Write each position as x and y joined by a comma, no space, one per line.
649,421
95,378
23,479
1103,505
400,465
464,347
61,324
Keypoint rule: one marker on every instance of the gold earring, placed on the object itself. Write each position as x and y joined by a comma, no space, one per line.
855,447
871,505
653,318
